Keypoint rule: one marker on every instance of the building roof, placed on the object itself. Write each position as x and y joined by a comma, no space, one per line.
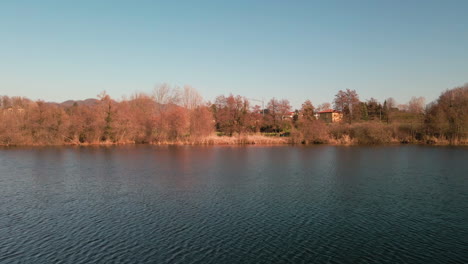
329,111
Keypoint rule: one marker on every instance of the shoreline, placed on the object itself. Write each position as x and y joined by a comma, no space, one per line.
240,141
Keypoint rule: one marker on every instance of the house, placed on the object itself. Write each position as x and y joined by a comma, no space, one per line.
288,115
330,116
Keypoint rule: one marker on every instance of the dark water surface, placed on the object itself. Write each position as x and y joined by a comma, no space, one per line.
145,204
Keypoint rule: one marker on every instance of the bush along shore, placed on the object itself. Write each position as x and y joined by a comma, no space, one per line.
172,115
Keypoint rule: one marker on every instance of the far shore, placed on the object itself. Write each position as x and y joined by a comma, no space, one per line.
233,120
246,140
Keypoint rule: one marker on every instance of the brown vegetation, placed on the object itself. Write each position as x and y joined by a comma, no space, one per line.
180,116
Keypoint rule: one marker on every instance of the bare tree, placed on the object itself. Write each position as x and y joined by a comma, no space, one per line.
416,105
164,94
191,99
403,107
278,111
323,107
390,103
201,122
348,102
231,114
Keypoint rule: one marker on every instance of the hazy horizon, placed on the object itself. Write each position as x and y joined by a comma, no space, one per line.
58,51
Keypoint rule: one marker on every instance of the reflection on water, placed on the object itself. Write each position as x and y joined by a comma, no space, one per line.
145,204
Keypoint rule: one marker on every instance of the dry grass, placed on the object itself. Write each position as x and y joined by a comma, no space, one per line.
342,138
242,140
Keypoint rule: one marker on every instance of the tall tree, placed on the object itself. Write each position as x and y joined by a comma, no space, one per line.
278,113
191,99
323,107
448,116
416,105
307,111
231,114
348,102
106,101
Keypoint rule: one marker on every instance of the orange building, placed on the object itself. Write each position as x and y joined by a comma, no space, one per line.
330,116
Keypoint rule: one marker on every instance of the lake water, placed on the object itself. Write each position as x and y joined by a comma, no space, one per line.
284,204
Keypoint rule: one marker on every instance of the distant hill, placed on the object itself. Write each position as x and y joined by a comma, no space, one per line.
88,102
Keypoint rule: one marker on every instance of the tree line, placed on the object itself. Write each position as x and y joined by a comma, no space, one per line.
180,115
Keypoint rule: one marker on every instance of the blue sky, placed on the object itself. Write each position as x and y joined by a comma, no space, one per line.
59,50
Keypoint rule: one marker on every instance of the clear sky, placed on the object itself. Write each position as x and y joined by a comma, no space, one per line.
59,50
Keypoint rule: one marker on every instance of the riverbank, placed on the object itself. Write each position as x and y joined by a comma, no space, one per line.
344,140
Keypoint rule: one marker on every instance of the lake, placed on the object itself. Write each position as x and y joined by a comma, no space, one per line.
225,204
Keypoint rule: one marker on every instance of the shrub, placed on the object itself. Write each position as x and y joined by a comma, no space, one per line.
371,133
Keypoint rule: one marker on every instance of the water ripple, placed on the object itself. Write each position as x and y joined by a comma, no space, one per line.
234,205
